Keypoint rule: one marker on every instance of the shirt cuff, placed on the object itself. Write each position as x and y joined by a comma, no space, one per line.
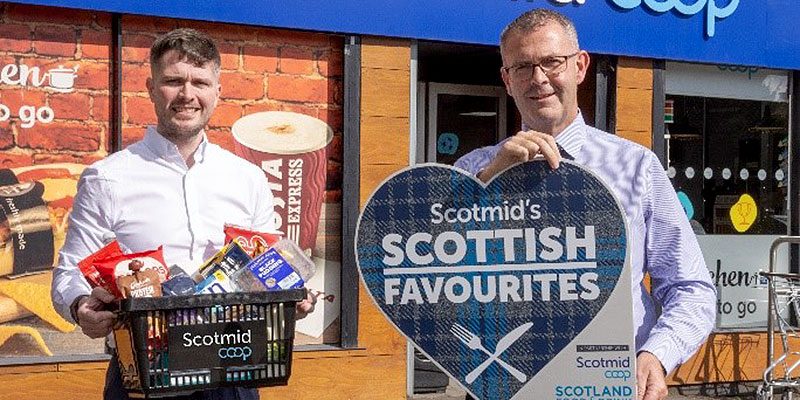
67,298
664,348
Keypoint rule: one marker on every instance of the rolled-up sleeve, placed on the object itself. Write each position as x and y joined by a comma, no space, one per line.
680,278
89,221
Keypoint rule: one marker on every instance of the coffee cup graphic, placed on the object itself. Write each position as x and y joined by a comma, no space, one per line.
291,150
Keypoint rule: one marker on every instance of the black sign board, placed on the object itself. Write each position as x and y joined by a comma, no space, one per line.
224,344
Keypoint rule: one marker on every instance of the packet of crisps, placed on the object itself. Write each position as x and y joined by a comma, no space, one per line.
112,268
254,243
140,283
91,273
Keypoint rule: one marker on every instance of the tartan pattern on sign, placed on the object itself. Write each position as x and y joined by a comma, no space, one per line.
569,196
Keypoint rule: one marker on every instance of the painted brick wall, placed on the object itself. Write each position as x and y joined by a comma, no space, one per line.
42,40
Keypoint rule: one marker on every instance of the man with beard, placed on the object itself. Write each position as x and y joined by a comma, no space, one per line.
172,188
542,67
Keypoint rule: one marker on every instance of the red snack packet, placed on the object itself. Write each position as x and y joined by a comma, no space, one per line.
254,243
112,268
91,273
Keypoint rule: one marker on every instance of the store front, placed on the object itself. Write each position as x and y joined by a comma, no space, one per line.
708,87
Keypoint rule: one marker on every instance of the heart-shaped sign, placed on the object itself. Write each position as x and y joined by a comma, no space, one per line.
518,288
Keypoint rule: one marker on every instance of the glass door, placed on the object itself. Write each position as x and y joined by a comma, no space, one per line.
462,118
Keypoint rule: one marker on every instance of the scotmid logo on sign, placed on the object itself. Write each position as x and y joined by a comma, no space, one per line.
713,12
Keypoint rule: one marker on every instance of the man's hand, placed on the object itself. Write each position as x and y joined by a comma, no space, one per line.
650,379
306,306
523,146
93,319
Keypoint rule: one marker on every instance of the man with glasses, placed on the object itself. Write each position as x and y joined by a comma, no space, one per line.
542,67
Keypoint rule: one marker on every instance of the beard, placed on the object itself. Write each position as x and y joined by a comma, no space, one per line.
176,132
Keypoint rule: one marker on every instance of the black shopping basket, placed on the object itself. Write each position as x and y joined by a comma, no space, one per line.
169,346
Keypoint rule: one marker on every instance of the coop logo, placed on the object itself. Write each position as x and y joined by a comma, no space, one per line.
234,345
713,11
589,392
235,352
618,374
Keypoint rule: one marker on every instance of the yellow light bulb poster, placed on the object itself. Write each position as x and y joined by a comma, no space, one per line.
744,213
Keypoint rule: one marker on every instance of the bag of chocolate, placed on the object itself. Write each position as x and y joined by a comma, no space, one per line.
140,283
254,243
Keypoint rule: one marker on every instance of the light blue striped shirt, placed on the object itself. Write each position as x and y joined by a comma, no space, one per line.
661,241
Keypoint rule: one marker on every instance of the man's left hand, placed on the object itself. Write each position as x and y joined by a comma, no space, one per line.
306,306
650,380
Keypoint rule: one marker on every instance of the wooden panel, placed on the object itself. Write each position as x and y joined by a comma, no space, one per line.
728,357
384,140
385,93
634,73
83,366
28,369
70,385
385,53
634,110
374,331
643,138
374,174
354,378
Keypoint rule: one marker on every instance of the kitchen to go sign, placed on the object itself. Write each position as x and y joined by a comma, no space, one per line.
713,12
60,79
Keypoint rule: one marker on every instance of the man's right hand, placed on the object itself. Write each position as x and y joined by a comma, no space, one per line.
523,146
93,318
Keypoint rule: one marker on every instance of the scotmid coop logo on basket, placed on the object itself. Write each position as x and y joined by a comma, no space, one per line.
232,345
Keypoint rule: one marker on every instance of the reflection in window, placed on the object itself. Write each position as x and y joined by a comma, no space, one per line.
723,149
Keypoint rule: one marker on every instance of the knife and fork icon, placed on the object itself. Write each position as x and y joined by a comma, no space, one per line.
474,342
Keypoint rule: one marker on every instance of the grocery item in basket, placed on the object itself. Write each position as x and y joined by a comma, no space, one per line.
179,284
254,243
228,260
140,283
297,258
217,282
113,267
92,274
272,271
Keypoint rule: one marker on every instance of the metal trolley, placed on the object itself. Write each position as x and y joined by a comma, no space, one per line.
782,302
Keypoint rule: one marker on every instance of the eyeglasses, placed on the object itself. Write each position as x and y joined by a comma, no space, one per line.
551,66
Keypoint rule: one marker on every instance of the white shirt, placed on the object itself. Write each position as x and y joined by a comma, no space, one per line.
147,197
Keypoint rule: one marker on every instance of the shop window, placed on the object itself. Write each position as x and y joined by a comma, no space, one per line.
726,148
728,160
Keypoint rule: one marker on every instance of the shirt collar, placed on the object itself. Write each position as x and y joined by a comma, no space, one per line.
572,138
167,150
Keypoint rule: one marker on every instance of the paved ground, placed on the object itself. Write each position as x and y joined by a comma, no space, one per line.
454,392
